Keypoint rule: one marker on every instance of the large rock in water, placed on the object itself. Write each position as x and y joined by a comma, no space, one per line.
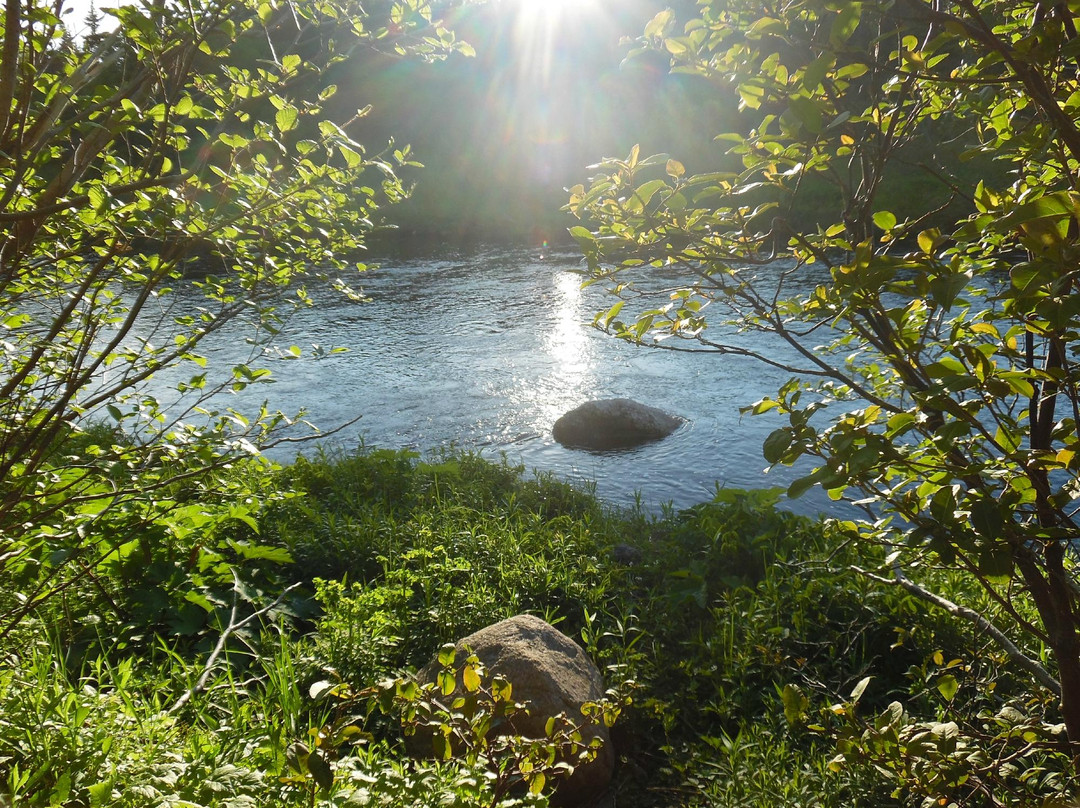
550,674
614,423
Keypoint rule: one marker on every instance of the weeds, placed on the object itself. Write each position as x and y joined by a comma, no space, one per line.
739,624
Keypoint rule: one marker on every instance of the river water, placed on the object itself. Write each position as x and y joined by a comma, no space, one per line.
485,349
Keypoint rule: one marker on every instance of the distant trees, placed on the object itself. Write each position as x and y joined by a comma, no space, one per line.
940,381
193,129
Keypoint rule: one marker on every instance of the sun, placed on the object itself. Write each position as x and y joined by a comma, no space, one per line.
538,17
546,8
540,30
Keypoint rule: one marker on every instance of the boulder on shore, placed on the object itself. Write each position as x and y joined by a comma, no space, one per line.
614,423
551,675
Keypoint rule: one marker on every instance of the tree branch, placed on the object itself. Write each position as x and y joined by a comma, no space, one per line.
232,628
9,62
1015,654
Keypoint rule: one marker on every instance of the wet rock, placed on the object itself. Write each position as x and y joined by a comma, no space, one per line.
614,423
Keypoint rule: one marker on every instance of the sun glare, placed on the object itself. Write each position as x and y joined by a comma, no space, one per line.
546,8
540,28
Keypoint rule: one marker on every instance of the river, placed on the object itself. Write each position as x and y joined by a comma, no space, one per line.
484,349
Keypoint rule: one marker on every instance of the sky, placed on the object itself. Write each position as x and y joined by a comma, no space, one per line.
75,20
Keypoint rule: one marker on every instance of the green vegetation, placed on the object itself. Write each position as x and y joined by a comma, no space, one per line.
735,628
190,146
182,623
937,383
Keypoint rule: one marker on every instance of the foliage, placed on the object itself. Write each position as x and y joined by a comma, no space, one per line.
192,131
737,621
465,715
943,359
432,551
1010,758
104,739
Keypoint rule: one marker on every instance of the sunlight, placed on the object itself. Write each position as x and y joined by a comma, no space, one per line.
567,343
540,28
534,95
546,8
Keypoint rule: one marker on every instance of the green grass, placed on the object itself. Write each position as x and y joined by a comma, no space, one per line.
708,616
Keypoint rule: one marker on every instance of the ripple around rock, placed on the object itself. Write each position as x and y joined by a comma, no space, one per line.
614,423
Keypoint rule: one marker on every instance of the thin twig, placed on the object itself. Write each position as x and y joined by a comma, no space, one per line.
231,629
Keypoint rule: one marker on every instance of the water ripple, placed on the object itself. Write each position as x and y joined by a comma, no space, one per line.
486,351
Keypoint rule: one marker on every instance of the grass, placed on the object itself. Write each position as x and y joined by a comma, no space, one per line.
735,625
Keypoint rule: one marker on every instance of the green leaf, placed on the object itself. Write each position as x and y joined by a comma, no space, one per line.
100,792
440,747
320,770
795,704
644,194
1045,220
947,686
986,518
815,72
241,514
777,443
946,367
233,141
470,679
860,688
582,234
296,755
260,552
751,92
808,113
612,313
995,560
351,734
501,689
661,24
446,654
885,220
97,197
845,24
537,783
446,681
928,240
285,119
1008,439
766,26
802,485
200,600
353,159
675,46
943,505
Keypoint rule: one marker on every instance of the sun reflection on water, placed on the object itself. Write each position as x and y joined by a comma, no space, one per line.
568,345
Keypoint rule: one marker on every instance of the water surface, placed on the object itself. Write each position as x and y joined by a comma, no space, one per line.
485,349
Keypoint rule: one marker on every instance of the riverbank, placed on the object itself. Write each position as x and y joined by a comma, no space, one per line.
188,667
